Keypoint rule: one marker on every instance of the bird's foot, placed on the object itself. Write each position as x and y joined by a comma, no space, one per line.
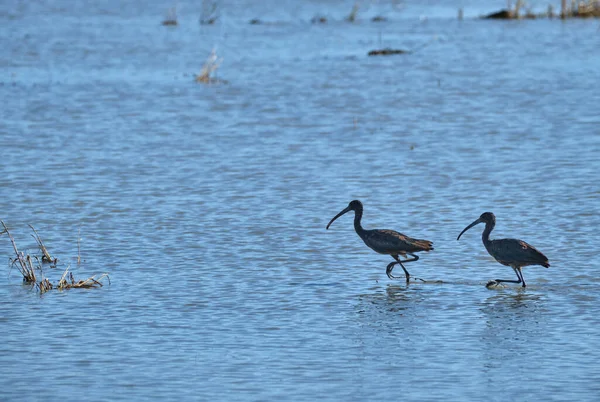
418,279
494,285
388,270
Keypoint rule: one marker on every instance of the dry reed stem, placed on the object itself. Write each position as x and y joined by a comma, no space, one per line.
90,282
353,13
45,254
24,262
78,246
44,285
209,13
171,17
210,65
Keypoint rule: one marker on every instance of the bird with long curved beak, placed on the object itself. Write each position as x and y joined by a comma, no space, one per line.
511,252
385,241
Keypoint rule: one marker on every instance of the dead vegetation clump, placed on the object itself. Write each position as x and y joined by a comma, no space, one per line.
171,17
583,9
209,13
91,282
209,68
30,267
576,9
44,285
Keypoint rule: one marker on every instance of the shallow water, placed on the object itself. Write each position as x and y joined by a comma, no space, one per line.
207,204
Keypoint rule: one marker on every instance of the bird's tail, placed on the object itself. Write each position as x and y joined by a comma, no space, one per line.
546,264
425,245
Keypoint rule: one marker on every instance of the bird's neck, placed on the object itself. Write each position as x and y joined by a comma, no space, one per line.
357,218
485,236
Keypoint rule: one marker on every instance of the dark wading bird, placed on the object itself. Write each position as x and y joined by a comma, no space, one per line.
386,241
512,252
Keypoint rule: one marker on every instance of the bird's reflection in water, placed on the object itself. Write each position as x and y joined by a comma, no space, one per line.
398,297
511,301
394,299
515,322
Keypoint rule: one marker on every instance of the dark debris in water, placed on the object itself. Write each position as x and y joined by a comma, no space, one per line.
387,52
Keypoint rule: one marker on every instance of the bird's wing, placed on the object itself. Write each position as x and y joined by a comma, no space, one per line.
514,251
388,241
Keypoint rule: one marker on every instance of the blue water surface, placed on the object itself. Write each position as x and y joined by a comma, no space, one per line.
207,204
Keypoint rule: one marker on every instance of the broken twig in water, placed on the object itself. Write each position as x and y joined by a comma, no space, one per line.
210,66
78,246
45,254
22,261
44,285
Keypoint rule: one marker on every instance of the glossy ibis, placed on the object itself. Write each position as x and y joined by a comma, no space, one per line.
386,241
512,252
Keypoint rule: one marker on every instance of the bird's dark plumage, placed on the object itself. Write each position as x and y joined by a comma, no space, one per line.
385,241
512,252
516,252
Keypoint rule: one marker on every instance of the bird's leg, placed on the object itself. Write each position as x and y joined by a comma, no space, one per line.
519,276
389,268
415,258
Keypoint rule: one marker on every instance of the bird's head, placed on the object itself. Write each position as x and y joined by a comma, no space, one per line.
354,205
486,217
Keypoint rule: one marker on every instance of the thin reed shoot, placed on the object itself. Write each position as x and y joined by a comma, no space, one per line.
46,257
352,16
209,13
22,260
78,246
209,68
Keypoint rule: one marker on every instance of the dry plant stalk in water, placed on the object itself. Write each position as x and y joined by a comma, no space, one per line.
90,282
210,65
171,17
209,13
352,16
22,261
45,285
78,246
45,254
25,264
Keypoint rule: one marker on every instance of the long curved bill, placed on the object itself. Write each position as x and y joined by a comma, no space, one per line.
347,209
469,227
